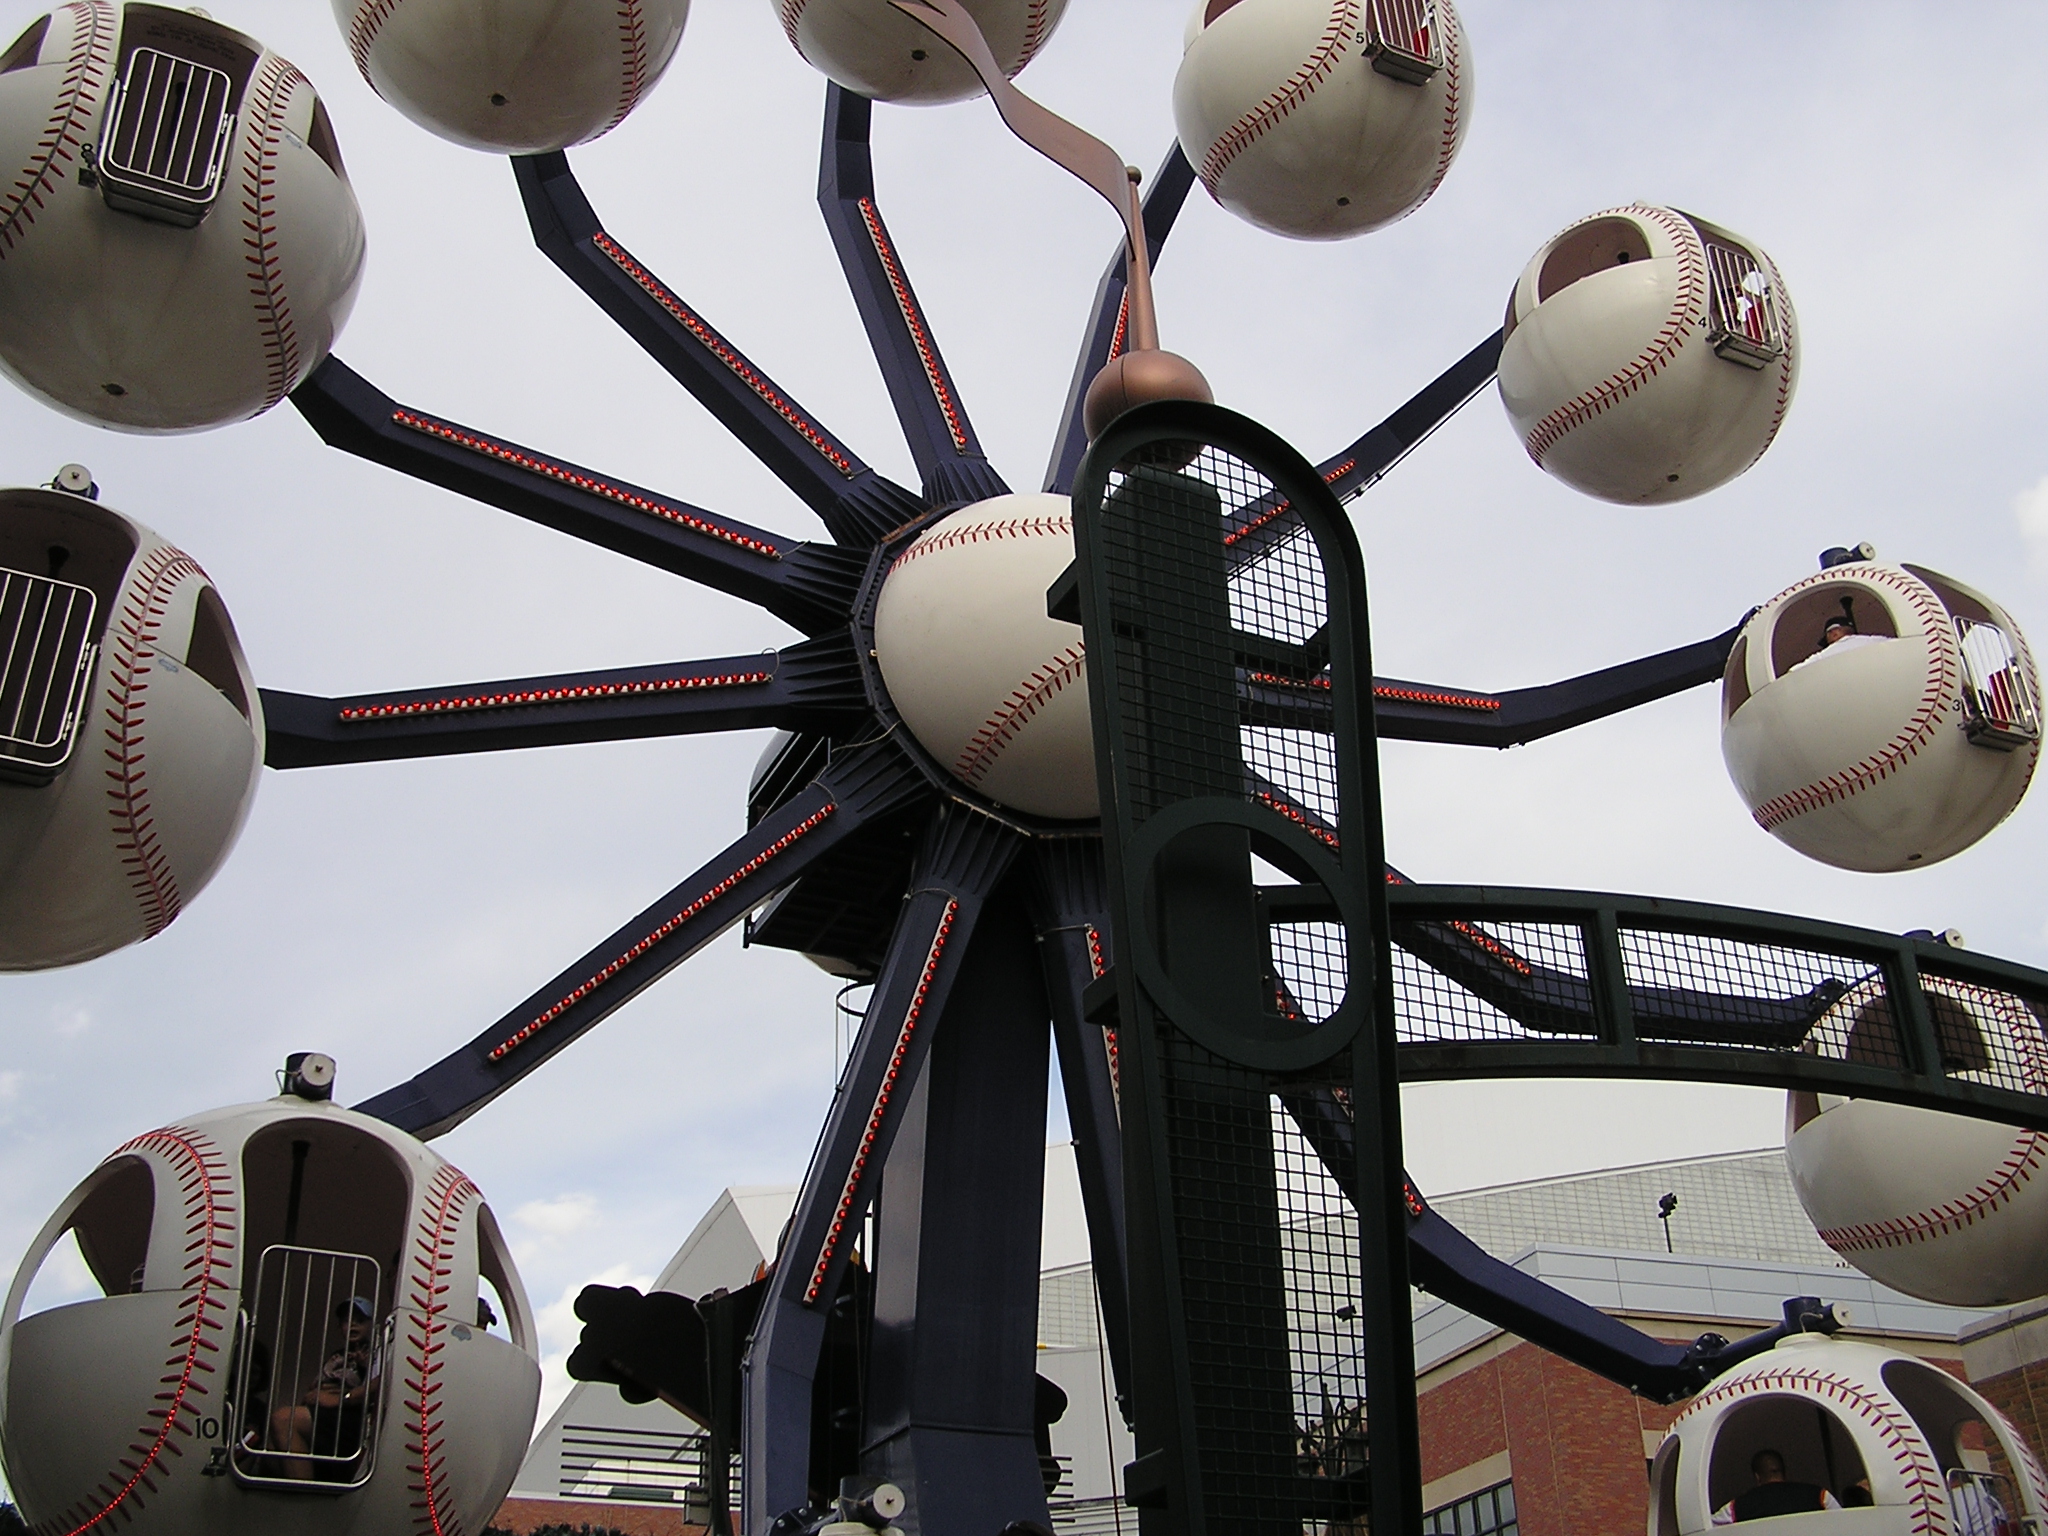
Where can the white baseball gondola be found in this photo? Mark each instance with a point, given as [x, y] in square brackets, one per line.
[1898, 1446]
[1322, 121]
[298, 1335]
[131, 733]
[1943, 1207]
[1648, 356]
[1900, 743]
[870, 47]
[179, 243]
[513, 77]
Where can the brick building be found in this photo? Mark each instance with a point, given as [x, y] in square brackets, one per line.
[1499, 1414]
[1515, 1441]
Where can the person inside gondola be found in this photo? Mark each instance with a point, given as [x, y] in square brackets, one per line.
[328, 1421]
[1773, 1494]
[1840, 634]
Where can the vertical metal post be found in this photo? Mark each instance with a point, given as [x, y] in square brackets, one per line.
[952, 1372]
[1607, 969]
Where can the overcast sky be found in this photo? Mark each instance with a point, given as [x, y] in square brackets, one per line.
[385, 913]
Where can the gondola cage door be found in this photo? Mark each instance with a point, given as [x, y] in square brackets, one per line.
[1222, 595]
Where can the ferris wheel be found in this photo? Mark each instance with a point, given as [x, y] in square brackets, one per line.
[926, 819]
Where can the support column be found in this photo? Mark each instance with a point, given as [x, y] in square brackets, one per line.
[953, 1365]
[964, 859]
[1071, 910]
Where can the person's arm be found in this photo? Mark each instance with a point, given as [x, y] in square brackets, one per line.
[1828, 1500]
[1725, 1515]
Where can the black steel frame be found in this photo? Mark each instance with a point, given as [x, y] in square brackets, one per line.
[828, 863]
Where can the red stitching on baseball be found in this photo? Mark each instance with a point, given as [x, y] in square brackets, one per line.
[133, 635]
[433, 1258]
[1688, 312]
[876, 1115]
[262, 140]
[63, 136]
[724, 887]
[1036, 30]
[792, 14]
[983, 533]
[1280, 105]
[362, 32]
[1923, 1226]
[1015, 712]
[410, 709]
[724, 351]
[204, 1176]
[1916, 1469]
[1447, 148]
[561, 475]
[633, 61]
[1937, 694]
[2025, 1156]
[927, 352]
[1785, 355]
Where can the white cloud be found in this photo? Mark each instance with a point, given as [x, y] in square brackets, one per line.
[2030, 510]
[546, 1223]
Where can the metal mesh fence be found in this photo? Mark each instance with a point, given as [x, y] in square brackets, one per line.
[1458, 981]
[1992, 1036]
[1700, 989]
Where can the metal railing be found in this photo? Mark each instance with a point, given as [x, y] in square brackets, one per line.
[1984, 1504]
[1745, 323]
[46, 661]
[1403, 39]
[164, 143]
[309, 1384]
[1999, 706]
[1492, 982]
[641, 1466]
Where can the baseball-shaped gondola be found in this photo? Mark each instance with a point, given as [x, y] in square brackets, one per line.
[1939, 1206]
[296, 1334]
[1322, 119]
[131, 734]
[1898, 1448]
[1880, 717]
[179, 244]
[514, 77]
[993, 689]
[871, 47]
[1648, 356]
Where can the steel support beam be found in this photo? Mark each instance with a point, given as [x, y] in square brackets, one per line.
[964, 859]
[857, 505]
[815, 686]
[942, 443]
[1070, 909]
[952, 1380]
[855, 792]
[810, 586]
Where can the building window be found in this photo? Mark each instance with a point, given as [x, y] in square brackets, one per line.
[1491, 1513]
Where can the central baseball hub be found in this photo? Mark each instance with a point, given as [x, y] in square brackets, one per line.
[989, 685]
